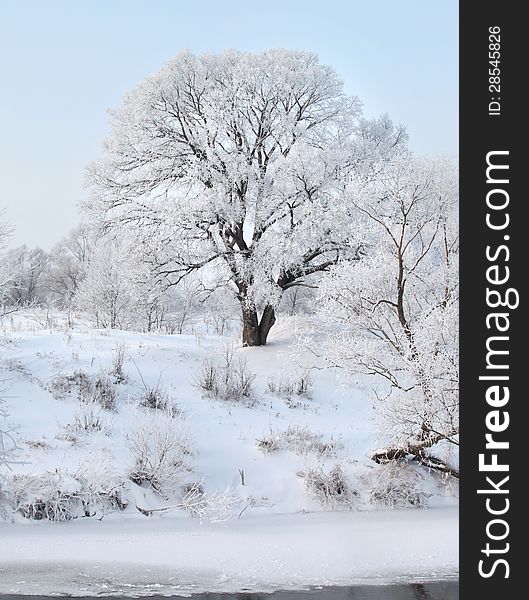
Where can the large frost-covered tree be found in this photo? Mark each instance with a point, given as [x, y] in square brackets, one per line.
[235, 163]
[400, 304]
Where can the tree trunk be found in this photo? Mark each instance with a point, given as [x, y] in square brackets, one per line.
[267, 322]
[417, 451]
[250, 327]
[255, 332]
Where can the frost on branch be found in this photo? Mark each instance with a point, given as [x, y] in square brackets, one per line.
[399, 305]
[215, 508]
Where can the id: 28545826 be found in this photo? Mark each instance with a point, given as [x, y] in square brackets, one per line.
[494, 70]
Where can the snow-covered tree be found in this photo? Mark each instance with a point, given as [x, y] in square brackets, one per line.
[67, 266]
[118, 289]
[5, 271]
[108, 292]
[10, 269]
[26, 266]
[400, 304]
[235, 163]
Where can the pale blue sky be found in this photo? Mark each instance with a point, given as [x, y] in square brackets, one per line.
[64, 62]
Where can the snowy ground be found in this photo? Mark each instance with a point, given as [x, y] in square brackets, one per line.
[279, 535]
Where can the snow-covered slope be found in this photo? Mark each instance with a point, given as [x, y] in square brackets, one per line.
[263, 460]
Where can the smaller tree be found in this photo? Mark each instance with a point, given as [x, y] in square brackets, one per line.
[8, 268]
[5, 277]
[400, 305]
[108, 291]
[26, 266]
[67, 266]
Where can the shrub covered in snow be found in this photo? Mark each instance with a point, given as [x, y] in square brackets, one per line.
[227, 379]
[100, 388]
[155, 397]
[52, 496]
[160, 449]
[299, 439]
[77, 384]
[118, 359]
[89, 418]
[61, 495]
[104, 391]
[102, 491]
[287, 386]
[395, 485]
[332, 490]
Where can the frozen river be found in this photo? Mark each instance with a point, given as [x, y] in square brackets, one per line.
[436, 590]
